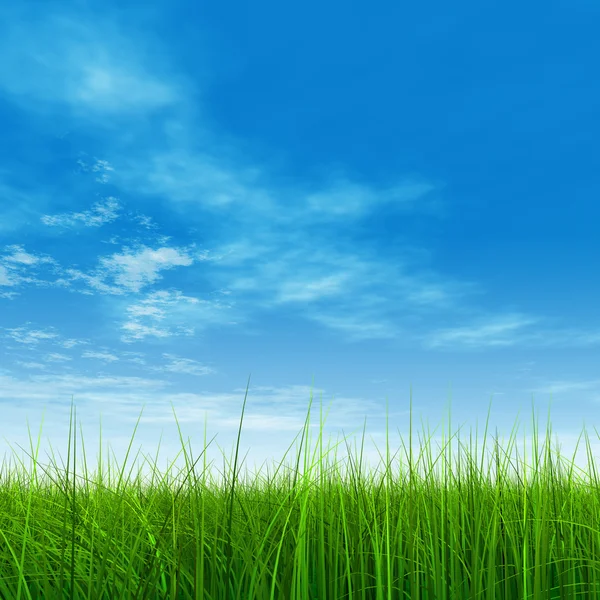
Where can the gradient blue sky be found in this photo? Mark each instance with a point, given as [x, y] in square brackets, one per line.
[376, 196]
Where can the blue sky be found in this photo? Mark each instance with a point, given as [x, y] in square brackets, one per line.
[376, 197]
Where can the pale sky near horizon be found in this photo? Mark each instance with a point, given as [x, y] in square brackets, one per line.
[377, 196]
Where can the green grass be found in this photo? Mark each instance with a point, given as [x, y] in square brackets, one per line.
[315, 535]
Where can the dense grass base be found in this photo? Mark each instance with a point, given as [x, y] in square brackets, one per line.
[314, 536]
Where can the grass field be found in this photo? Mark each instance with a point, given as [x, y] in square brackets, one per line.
[315, 535]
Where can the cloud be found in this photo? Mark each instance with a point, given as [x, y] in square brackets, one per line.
[15, 261]
[22, 336]
[100, 213]
[136, 269]
[86, 63]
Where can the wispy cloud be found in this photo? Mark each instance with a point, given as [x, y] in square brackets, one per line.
[99, 214]
[86, 62]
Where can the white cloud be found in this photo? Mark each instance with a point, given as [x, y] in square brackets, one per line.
[84, 62]
[100, 214]
[105, 356]
[134, 270]
[5, 277]
[31, 337]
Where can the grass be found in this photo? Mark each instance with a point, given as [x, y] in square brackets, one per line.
[304, 538]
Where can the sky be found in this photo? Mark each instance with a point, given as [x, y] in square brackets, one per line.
[360, 204]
